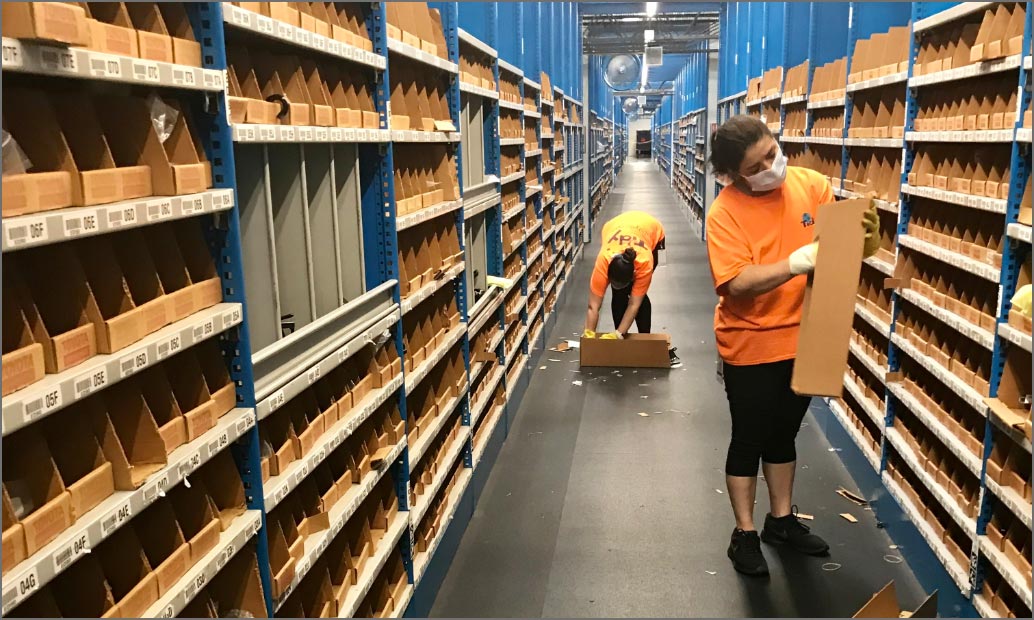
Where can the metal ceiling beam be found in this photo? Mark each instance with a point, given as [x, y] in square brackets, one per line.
[619, 48]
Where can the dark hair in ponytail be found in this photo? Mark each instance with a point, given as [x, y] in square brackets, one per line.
[622, 269]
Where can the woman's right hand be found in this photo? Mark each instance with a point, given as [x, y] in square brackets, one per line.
[802, 260]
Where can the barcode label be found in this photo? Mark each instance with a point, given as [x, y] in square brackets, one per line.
[265, 24]
[21, 590]
[159, 210]
[243, 425]
[91, 381]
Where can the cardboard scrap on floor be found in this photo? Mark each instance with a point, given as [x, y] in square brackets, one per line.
[806, 517]
[560, 348]
[850, 518]
[852, 497]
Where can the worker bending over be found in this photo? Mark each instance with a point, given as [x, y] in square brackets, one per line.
[759, 242]
[626, 263]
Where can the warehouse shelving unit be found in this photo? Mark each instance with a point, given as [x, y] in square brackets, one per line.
[945, 429]
[328, 268]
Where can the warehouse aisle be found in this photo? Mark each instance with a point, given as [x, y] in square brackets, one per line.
[594, 509]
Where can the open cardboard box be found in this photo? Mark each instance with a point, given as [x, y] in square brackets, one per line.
[634, 351]
[128, 572]
[247, 94]
[128, 433]
[59, 22]
[85, 472]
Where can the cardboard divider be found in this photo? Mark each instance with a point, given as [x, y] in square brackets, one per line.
[205, 280]
[209, 357]
[127, 570]
[281, 564]
[192, 395]
[224, 487]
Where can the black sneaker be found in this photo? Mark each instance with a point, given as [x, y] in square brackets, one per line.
[745, 553]
[674, 359]
[789, 530]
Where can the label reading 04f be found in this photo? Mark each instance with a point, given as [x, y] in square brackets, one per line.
[64, 558]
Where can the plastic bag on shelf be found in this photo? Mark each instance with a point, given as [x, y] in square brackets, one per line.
[163, 116]
[1021, 301]
[15, 161]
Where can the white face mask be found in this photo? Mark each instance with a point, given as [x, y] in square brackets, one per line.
[768, 180]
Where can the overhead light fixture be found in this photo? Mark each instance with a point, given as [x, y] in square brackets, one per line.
[648, 36]
[651, 8]
[645, 77]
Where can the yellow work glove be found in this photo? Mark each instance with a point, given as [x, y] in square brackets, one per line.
[611, 336]
[588, 334]
[802, 260]
[1021, 300]
[871, 223]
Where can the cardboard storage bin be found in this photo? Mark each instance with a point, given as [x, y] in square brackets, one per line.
[281, 563]
[152, 36]
[82, 591]
[65, 309]
[100, 178]
[130, 436]
[154, 385]
[281, 80]
[247, 99]
[127, 570]
[210, 359]
[14, 547]
[22, 355]
[163, 543]
[224, 486]
[59, 22]
[205, 280]
[51, 182]
[176, 165]
[33, 485]
[85, 472]
[185, 48]
[120, 322]
[197, 519]
[180, 292]
[111, 30]
[191, 392]
[237, 589]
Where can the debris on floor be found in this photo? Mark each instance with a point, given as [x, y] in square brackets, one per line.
[893, 559]
[578, 383]
[830, 566]
[806, 517]
[850, 518]
[852, 497]
[560, 348]
[643, 414]
[711, 572]
[542, 367]
[835, 450]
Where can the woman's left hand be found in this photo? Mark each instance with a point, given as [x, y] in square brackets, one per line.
[871, 224]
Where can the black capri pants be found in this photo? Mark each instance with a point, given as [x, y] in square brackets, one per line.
[766, 416]
[619, 302]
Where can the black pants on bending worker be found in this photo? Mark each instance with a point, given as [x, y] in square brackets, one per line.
[619, 302]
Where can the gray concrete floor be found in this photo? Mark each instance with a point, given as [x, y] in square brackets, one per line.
[595, 511]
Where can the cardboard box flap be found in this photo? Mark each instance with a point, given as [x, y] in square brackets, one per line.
[634, 351]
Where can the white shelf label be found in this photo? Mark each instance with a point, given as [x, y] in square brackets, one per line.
[116, 518]
[146, 71]
[12, 55]
[58, 59]
[90, 382]
[64, 558]
[133, 363]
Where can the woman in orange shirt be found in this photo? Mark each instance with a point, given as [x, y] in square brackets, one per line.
[626, 263]
[759, 240]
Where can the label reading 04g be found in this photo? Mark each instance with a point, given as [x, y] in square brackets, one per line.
[20, 590]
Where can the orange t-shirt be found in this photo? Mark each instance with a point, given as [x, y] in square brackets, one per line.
[632, 229]
[746, 230]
